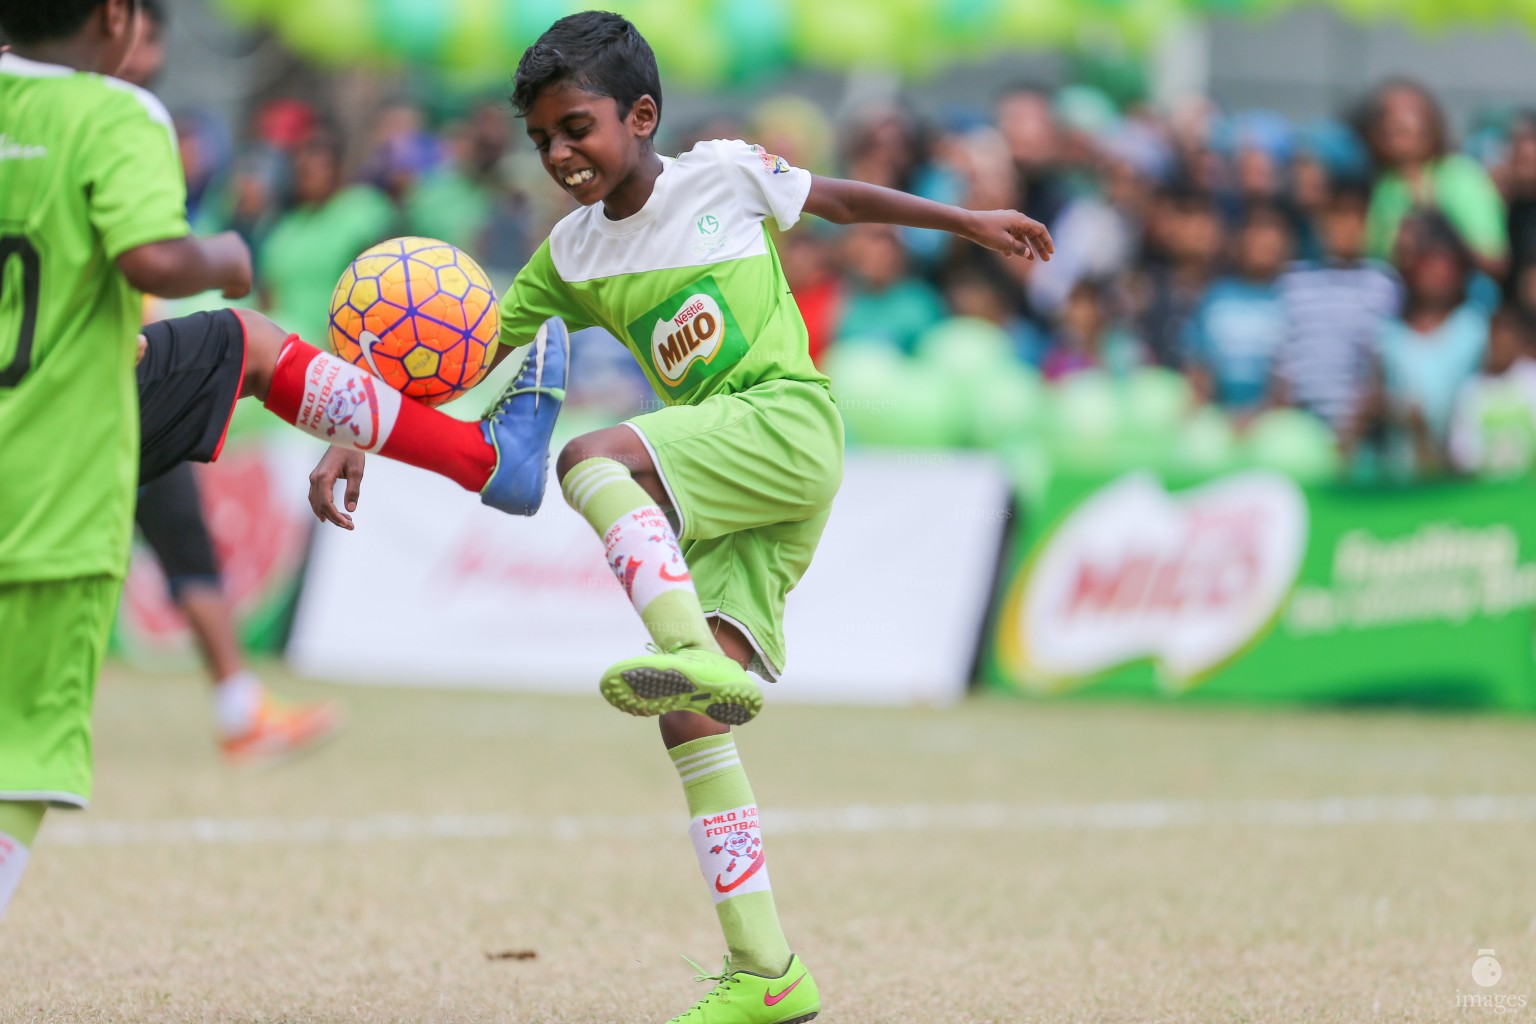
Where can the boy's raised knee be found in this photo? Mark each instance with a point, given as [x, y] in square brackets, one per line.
[575, 452]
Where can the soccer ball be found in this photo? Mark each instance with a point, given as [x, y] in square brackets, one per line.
[419, 314]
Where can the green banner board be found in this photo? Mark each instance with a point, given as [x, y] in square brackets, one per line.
[1249, 586]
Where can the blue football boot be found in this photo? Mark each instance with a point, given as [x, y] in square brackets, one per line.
[519, 423]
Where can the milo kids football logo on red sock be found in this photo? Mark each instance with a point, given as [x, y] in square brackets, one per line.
[689, 336]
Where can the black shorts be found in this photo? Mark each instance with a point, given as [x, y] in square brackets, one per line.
[170, 514]
[189, 381]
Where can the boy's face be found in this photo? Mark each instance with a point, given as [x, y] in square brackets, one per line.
[1344, 228]
[586, 146]
[118, 23]
[147, 59]
[1263, 247]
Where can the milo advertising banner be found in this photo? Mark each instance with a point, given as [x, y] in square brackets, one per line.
[254, 503]
[1249, 586]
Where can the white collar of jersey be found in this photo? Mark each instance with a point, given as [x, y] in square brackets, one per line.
[11, 64]
[641, 217]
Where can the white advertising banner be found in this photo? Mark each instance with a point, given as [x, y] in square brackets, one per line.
[434, 589]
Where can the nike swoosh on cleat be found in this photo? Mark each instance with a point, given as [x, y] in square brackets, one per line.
[769, 999]
[366, 341]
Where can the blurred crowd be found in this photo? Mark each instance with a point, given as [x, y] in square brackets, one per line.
[1369, 269]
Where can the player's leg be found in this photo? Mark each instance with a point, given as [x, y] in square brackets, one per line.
[19, 821]
[251, 723]
[342, 404]
[47, 685]
[609, 477]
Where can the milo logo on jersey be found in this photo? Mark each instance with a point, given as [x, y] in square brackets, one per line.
[690, 336]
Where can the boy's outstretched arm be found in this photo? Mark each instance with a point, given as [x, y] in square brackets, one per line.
[855, 202]
[179, 267]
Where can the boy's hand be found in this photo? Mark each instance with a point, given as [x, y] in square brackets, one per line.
[233, 258]
[1011, 233]
[143, 347]
[337, 464]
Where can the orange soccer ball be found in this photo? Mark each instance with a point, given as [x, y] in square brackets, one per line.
[418, 313]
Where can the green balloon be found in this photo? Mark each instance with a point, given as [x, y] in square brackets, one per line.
[1085, 421]
[334, 32]
[245, 10]
[1295, 443]
[758, 34]
[865, 375]
[415, 31]
[1156, 401]
[964, 346]
[1007, 404]
[1206, 444]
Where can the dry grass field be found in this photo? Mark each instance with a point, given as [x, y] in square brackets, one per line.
[999, 862]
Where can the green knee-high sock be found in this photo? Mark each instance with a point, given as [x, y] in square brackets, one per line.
[19, 821]
[729, 843]
[642, 551]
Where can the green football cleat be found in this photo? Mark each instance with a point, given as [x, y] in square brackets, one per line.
[740, 997]
[684, 679]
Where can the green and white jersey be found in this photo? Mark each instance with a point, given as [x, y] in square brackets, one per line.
[691, 284]
[88, 170]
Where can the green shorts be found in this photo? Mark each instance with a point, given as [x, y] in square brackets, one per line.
[52, 637]
[751, 477]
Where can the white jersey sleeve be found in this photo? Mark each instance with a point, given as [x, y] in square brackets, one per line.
[768, 185]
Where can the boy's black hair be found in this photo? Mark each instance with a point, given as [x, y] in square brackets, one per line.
[599, 52]
[1433, 230]
[154, 10]
[29, 22]
[1255, 210]
[1350, 190]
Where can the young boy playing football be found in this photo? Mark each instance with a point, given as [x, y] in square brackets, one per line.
[709, 509]
[92, 216]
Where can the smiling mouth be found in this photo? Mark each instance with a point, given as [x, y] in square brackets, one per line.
[579, 178]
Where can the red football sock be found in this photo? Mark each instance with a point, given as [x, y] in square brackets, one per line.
[346, 405]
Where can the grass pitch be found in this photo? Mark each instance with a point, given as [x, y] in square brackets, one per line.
[999, 862]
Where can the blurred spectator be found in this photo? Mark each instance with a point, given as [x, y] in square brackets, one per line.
[810, 266]
[1028, 126]
[466, 201]
[1088, 336]
[1493, 427]
[402, 150]
[310, 245]
[1407, 134]
[1435, 347]
[1099, 232]
[976, 285]
[1520, 183]
[888, 145]
[796, 129]
[1335, 309]
[1189, 235]
[884, 299]
[1233, 336]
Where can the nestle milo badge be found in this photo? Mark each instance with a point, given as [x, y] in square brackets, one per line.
[689, 336]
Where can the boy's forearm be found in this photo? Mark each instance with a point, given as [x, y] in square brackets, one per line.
[856, 202]
[180, 267]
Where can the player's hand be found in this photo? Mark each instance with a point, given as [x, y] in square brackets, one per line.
[233, 258]
[143, 347]
[337, 464]
[1011, 233]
